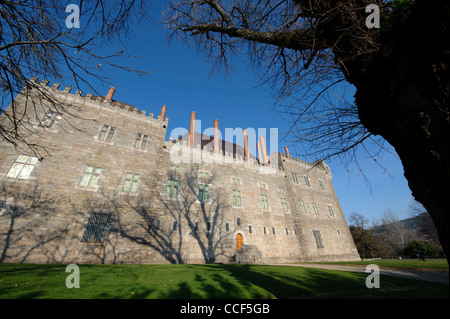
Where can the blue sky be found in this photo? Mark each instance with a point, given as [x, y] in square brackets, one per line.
[180, 79]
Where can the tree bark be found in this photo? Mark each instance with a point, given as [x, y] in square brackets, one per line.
[403, 96]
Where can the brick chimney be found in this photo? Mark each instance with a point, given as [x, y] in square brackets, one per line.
[216, 137]
[110, 94]
[163, 112]
[192, 130]
[244, 132]
[287, 151]
[260, 156]
[264, 150]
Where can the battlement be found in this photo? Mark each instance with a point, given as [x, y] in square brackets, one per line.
[319, 164]
[192, 143]
[99, 101]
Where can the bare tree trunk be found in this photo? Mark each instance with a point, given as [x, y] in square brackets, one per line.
[404, 97]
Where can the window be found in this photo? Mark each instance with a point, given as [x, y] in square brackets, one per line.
[96, 228]
[280, 189]
[237, 200]
[227, 227]
[172, 188]
[264, 202]
[22, 167]
[2, 204]
[131, 183]
[202, 174]
[203, 193]
[295, 231]
[273, 230]
[330, 210]
[294, 178]
[238, 221]
[284, 206]
[174, 168]
[175, 225]
[90, 176]
[265, 230]
[262, 185]
[306, 181]
[51, 118]
[318, 238]
[315, 210]
[208, 226]
[321, 184]
[301, 203]
[236, 180]
[106, 133]
[249, 229]
[141, 141]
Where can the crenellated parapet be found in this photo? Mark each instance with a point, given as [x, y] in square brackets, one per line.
[104, 103]
[319, 165]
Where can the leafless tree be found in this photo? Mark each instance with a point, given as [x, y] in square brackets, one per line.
[35, 41]
[358, 220]
[426, 228]
[306, 50]
[396, 232]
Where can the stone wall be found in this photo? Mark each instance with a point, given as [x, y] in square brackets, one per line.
[45, 216]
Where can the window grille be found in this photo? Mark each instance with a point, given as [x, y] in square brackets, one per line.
[97, 228]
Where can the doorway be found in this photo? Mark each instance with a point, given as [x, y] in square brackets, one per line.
[239, 241]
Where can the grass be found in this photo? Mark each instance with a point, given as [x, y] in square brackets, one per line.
[430, 264]
[203, 281]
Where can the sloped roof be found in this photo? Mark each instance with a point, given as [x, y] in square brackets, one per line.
[206, 142]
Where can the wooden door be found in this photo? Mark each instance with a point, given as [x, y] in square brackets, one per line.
[239, 241]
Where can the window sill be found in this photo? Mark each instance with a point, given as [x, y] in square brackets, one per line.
[103, 142]
[88, 189]
[128, 194]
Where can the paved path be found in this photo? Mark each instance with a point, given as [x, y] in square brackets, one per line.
[428, 275]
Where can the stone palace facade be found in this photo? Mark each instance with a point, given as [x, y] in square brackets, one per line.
[105, 186]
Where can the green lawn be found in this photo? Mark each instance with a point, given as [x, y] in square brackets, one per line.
[203, 281]
[430, 264]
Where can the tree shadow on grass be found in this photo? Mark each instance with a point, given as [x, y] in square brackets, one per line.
[267, 282]
[232, 282]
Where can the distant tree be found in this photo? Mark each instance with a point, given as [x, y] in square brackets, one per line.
[306, 50]
[365, 244]
[425, 226]
[415, 247]
[396, 233]
[358, 220]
